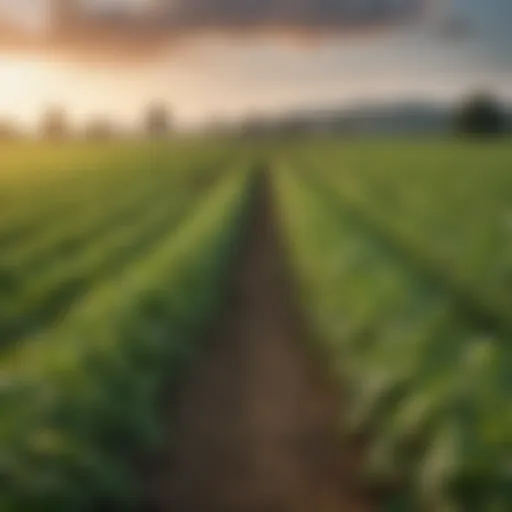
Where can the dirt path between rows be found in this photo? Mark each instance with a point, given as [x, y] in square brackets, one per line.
[254, 426]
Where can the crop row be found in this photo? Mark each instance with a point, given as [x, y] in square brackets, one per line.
[79, 402]
[427, 384]
[450, 203]
[34, 212]
[44, 277]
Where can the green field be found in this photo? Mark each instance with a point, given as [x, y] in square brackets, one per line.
[115, 260]
[405, 259]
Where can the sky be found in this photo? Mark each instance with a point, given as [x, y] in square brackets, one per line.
[460, 46]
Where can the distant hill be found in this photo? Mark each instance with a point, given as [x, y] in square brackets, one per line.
[407, 117]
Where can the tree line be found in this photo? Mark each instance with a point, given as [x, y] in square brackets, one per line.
[480, 114]
[157, 123]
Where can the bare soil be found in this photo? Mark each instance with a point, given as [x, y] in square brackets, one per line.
[255, 427]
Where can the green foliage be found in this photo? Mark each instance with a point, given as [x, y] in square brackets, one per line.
[78, 401]
[97, 225]
[114, 259]
[481, 114]
[390, 245]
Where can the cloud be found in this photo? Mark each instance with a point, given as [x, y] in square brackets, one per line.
[141, 23]
[260, 13]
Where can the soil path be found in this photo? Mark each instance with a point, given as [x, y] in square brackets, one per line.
[254, 427]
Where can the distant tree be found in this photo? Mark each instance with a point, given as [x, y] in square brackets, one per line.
[8, 131]
[217, 124]
[158, 122]
[481, 114]
[54, 124]
[255, 125]
[99, 129]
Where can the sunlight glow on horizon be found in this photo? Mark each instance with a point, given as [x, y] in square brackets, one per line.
[212, 77]
[29, 85]
[22, 81]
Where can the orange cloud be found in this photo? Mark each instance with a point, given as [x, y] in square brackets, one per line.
[118, 31]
